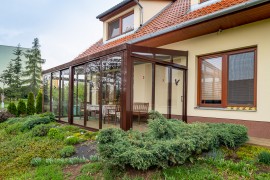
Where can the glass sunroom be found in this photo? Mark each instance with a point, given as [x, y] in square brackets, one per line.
[118, 87]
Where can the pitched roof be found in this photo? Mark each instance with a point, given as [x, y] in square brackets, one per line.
[178, 12]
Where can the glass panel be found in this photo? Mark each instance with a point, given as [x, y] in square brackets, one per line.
[241, 79]
[78, 107]
[211, 81]
[163, 57]
[111, 89]
[93, 86]
[142, 94]
[114, 29]
[161, 89]
[55, 93]
[181, 60]
[177, 93]
[128, 23]
[147, 55]
[46, 91]
[64, 95]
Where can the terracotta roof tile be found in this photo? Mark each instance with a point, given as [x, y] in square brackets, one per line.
[178, 12]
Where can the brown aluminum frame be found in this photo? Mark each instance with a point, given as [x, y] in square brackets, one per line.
[120, 19]
[126, 96]
[224, 89]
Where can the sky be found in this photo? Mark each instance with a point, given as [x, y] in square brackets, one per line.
[65, 28]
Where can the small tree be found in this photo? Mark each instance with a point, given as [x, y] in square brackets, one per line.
[21, 108]
[12, 109]
[39, 103]
[30, 104]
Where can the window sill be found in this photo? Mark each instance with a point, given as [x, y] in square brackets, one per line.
[224, 109]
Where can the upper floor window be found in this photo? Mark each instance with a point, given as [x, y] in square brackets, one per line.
[228, 79]
[121, 25]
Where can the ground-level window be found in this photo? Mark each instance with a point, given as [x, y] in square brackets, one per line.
[227, 79]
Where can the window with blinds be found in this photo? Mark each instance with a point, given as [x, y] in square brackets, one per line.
[241, 79]
[211, 81]
[228, 79]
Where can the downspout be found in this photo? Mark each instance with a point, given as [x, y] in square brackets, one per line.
[141, 12]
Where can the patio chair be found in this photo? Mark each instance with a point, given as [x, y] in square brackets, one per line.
[112, 112]
[140, 109]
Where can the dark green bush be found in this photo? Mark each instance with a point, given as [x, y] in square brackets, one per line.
[67, 151]
[12, 109]
[264, 157]
[41, 130]
[21, 108]
[5, 116]
[39, 103]
[72, 140]
[48, 114]
[55, 133]
[166, 143]
[31, 123]
[230, 135]
[31, 104]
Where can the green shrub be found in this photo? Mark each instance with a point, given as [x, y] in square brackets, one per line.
[30, 104]
[12, 109]
[62, 161]
[41, 130]
[72, 140]
[39, 103]
[264, 157]
[21, 108]
[14, 129]
[230, 135]
[50, 115]
[67, 151]
[5, 116]
[55, 133]
[31, 123]
[166, 143]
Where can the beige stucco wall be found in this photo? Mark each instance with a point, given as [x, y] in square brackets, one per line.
[255, 34]
[151, 8]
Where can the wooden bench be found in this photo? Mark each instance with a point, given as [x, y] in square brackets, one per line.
[140, 109]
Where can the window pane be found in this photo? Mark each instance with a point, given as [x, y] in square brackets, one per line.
[55, 93]
[128, 23]
[114, 29]
[78, 107]
[46, 91]
[241, 79]
[64, 90]
[211, 81]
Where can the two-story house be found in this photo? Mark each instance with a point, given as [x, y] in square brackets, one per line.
[193, 60]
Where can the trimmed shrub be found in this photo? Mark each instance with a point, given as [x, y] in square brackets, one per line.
[264, 157]
[31, 123]
[48, 114]
[21, 108]
[166, 143]
[55, 133]
[67, 151]
[72, 140]
[230, 135]
[41, 130]
[5, 116]
[30, 104]
[39, 103]
[12, 109]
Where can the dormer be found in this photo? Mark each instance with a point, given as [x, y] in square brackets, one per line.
[197, 4]
[126, 17]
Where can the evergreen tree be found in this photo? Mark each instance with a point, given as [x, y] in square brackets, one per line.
[39, 103]
[17, 72]
[33, 67]
[21, 108]
[30, 104]
[7, 77]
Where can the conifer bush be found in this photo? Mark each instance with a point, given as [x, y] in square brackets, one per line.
[31, 104]
[21, 108]
[39, 103]
[12, 109]
[167, 142]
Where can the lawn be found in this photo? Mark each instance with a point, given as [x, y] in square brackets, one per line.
[36, 147]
